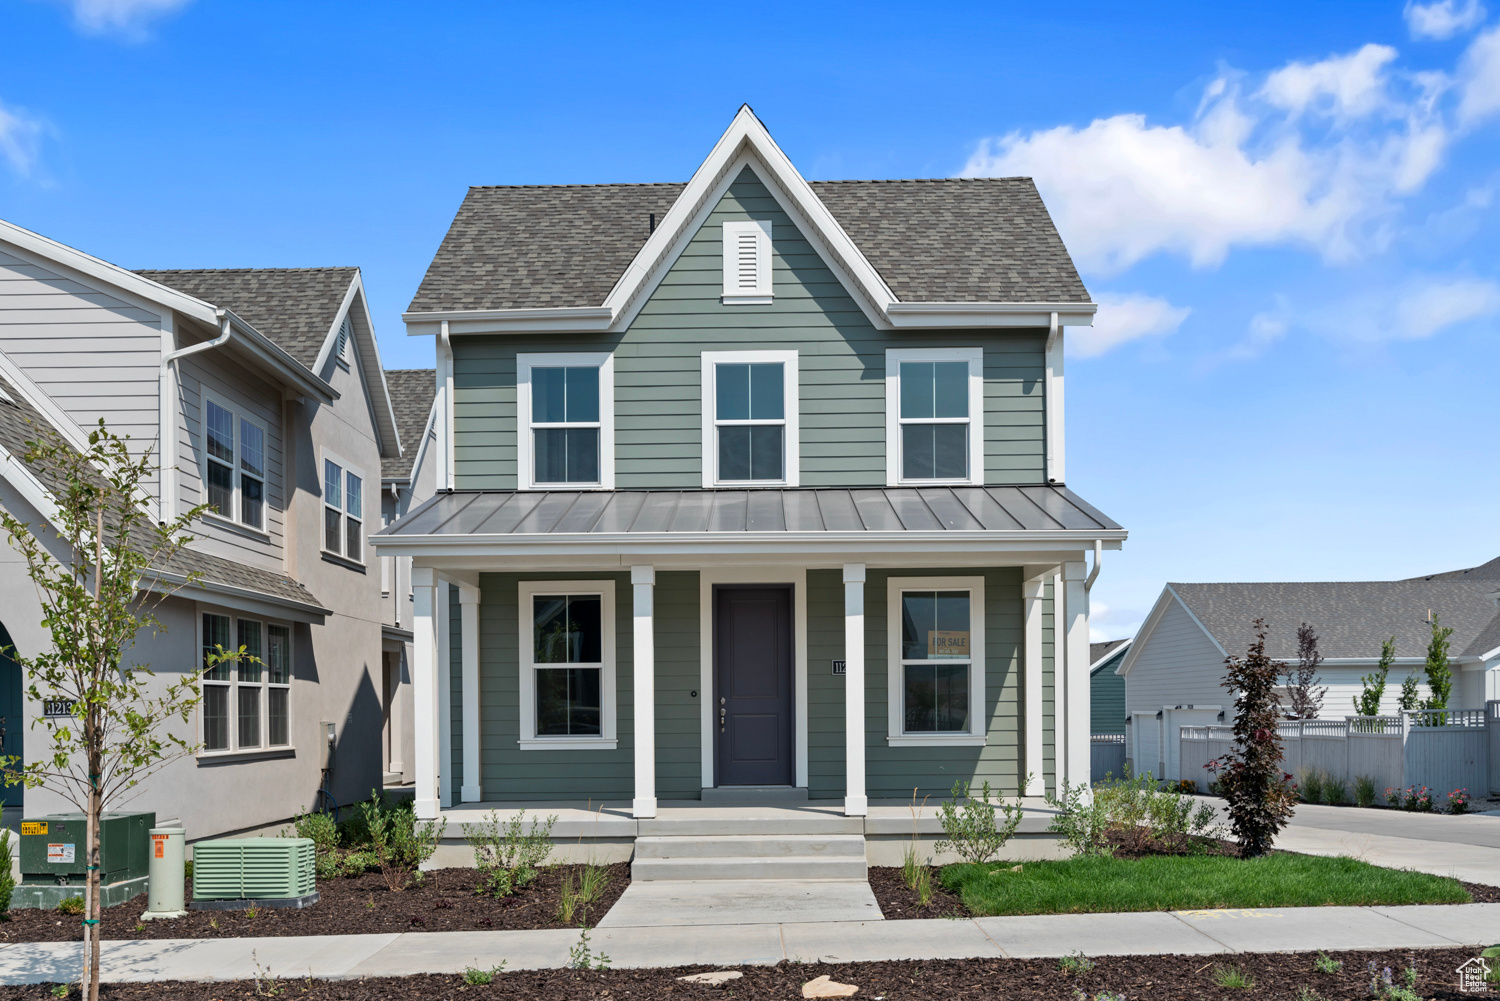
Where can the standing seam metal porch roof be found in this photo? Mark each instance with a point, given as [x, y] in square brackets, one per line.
[792, 509]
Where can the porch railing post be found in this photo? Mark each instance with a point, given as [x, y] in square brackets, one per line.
[1033, 769]
[643, 580]
[424, 690]
[856, 802]
[468, 599]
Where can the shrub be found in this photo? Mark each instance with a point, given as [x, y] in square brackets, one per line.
[357, 862]
[7, 880]
[1458, 801]
[1367, 703]
[1327, 964]
[1418, 799]
[1312, 785]
[1335, 791]
[1135, 811]
[1439, 674]
[1393, 797]
[70, 905]
[1364, 791]
[971, 827]
[507, 853]
[1081, 820]
[1233, 978]
[1259, 793]
[476, 977]
[399, 843]
[1075, 964]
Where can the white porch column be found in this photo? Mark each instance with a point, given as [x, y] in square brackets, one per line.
[1033, 767]
[424, 672]
[468, 598]
[443, 611]
[643, 580]
[1059, 688]
[1077, 606]
[856, 802]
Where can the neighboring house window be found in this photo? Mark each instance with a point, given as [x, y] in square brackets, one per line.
[567, 664]
[750, 418]
[565, 420]
[343, 510]
[935, 415]
[747, 263]
[246, 704]
[936, 684]
[236, 489]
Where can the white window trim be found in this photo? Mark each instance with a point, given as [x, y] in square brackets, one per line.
[791, 454]
[895, 690]
[602, 360]
[236, 498]
[529, 741]
[893, 359]
[364, 505]
[264, 748]
[735, 294]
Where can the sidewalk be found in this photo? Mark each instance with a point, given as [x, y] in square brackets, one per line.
[1291, 929]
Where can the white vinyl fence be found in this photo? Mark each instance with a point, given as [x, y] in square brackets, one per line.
[1443, 750]
[1106, 756]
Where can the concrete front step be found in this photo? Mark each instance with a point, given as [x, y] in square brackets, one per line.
[750, 795]
[841, 846]
[722, 868]
[764, 822]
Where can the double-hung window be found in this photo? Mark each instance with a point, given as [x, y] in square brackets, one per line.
[936, 635]
[935, 415]
[565, 420]
[246, 703]
[236, 487]
[567, 664]
[750, 418]
[343, 510]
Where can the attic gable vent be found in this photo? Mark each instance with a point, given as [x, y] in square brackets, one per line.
[747, 263]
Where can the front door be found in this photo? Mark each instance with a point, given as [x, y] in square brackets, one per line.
[753, 685]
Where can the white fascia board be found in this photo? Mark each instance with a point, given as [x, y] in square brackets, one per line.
[1168, 596]
[1123, 647]
[239, 598]
[20, 476]
[370, 364]
[272, 356]
[533, 320]
[907, 315]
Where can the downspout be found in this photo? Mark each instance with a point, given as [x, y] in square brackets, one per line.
[1088, 585]
[167, 393]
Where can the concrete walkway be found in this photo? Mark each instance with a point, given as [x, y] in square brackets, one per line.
[675, 902]
[1298, 929]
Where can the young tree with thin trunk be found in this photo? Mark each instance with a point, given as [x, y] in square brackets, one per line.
[1303, 691]
[1439, 674]
[1367, 702]
[93, 571]
[1260, 795]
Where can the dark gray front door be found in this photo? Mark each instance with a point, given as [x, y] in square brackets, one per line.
[753, 682]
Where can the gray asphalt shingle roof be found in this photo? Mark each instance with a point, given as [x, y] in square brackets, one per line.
[1351, 618]
[944, 240]
[20, 423]
[412, 391]
[1097, 650]
[877, 509]
[294, 307]
[1485, 571]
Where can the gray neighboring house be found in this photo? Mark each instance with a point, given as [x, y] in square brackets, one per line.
[1174, 668]
[265, 388]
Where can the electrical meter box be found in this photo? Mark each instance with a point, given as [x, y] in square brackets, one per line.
[54, 850]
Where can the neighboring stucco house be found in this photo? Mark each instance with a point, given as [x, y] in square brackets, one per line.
[749, 485]
[1174, 669]
[265, 390]
[1106, 688]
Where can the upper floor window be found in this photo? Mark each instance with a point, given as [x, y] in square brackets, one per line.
[750, 418]
[246, 703]
[343, 510]
[747, 262]
[565, 420]
[235, 460]
[935, 415]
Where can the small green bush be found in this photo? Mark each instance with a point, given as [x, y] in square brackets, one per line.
[70, 905]
[1233, 978]
[1364, 791]
[507, 853]
[476, 977]
[1335, 791]
[7, 881]
[1312, 785]
[971, 827]
[399, 843]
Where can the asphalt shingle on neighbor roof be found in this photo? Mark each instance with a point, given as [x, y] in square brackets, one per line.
[1097, 650]
[1485, 571]
[946, 240]
[294, 307]
[20, 423]
[1351, 618]
[412, 391]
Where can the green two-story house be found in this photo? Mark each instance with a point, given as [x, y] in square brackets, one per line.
[751, 484]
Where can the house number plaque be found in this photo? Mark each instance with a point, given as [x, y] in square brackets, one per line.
[838, 667]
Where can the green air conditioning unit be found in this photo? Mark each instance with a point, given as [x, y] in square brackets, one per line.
[54, 858]
[235, 873]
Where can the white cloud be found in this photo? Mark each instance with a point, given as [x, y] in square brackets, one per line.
[1265, 329]
[1479, 78]
[1423, 310]
[1442, 19]
[1246, 171]
[20, 139]
[128, 18]
[1124, 318]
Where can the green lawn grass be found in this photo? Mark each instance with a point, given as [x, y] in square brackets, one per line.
[1080, 885]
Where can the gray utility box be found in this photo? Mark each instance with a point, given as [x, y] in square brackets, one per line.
[54, 858]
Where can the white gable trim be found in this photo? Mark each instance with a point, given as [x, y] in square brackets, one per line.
[1122, 648]
[368, 352]
[1168, 597]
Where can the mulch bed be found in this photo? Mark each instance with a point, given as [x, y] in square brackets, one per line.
[445, 901]
[1135, 978]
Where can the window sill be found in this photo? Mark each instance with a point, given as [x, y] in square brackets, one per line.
[239, 528]
[539, 487]
[746, 300]
[936, 740]
[567, 744]
[248, 754]
[936, 483]
[343, 561]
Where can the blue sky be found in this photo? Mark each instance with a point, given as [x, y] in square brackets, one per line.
[1286, 210]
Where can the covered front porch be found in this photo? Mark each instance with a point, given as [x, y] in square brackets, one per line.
[654, 650]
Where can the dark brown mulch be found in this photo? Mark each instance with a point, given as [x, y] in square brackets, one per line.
[1136, 978]
[897, 901]
[445, 901]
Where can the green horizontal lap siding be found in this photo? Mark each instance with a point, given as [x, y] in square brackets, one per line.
[658, 371]
[893, 772]
[1107, 699]
[679, 761]
[510, 773]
